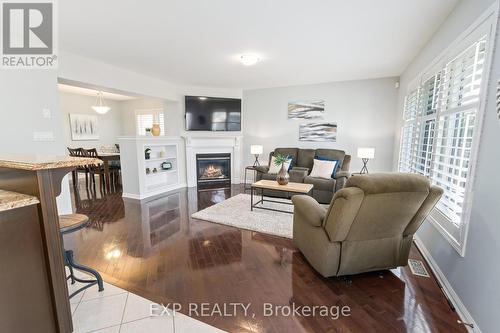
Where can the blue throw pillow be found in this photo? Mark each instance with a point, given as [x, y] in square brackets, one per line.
[324, 158]
[291, 162]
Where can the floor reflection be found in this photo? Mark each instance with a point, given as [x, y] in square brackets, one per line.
[159, 218]
[155, 249]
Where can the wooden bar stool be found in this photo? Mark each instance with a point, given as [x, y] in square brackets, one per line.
[68, 224]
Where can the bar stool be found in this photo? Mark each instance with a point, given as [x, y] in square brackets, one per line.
[67, 224]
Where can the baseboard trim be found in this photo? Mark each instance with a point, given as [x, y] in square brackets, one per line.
[153, 194]
[460, 308]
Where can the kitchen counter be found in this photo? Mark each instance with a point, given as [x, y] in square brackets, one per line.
[31, 248]
[44, 162]
[10, 200]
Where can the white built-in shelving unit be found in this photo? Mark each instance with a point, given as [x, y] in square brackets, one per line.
[144, 177]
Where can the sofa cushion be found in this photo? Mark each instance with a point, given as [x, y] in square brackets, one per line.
[292, 152]
[337, 164]
[324, 168]
[332, 154]
[305, 158]
[321, 184]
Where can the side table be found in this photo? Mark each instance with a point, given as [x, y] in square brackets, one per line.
[245, 184]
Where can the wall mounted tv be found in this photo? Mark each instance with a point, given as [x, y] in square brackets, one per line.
[212, 113]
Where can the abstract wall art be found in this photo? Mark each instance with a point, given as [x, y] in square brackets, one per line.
[306, 109]
[318, 132]
[84, 127]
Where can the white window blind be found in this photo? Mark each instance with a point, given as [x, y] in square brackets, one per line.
[439, 123]
[146, 119]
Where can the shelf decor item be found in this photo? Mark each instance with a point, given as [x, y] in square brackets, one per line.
[282, 176]
[256, 150]
[156, 130]
[365, 154]
[147, 153]
[166, 166]
[148, 131]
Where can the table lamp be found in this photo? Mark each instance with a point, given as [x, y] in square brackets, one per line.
[256, 150]
[365, 154]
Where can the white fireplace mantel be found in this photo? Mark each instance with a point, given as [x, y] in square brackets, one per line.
[212, 145]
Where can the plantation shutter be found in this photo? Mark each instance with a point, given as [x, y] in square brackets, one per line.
[439, 120]
[146, 118]
[409, 132]
[456, 125]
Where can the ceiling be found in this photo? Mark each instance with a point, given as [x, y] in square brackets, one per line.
[91, 92]
[198, 42]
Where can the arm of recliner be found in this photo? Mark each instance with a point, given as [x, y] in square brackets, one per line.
[341, 177]
[342, 174]
[262, 168]
[308, 210]
[432, 199]
[343, 210]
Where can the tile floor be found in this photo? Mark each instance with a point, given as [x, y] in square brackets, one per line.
[116, 310]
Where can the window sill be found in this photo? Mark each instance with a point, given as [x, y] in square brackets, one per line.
[460, 248]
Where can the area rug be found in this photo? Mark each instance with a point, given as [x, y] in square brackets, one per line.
[236, 212]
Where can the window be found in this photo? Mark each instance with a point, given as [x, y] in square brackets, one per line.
[440, 129]
[145, 119]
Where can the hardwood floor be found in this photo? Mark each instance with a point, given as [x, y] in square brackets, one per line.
[155, 249]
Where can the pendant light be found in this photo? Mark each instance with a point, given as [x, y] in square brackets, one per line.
[100, 107]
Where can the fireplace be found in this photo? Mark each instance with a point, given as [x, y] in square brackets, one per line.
[213, 170]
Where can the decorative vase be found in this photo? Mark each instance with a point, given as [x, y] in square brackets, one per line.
[282, 176]
[156, 130]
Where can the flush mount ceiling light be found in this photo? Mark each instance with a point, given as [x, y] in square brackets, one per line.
[100, 107]
[249, 59]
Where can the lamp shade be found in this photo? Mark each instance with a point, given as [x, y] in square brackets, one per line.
[256, 149]
[100, 107]
[366, 152]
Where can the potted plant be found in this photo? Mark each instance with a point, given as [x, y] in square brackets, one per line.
[147, 153]
[282, 176]
[148, 131]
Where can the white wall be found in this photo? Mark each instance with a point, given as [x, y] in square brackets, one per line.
[473, 278]
[128, 108]
[365, 113]
[109, 123]
[23, 96]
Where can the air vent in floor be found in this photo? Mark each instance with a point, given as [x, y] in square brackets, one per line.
[417, 267]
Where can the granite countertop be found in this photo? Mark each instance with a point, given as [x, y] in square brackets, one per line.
[10, 200]
[44, 162]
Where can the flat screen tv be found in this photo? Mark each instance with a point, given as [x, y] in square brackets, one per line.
[212, 114]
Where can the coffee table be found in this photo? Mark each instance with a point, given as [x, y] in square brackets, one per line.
[297, 188]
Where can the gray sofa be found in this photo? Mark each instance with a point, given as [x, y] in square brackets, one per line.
[302, 163]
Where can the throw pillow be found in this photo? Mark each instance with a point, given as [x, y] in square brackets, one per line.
[324, 158]
[323, 169]
[273, 168]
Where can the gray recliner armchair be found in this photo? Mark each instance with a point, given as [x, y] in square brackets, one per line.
[368, 226]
